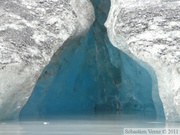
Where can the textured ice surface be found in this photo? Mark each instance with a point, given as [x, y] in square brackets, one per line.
[87, 73]
[31, 31]
[90, 74]
[149, 31]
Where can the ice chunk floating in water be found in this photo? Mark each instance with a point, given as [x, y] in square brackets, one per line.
[90, 75]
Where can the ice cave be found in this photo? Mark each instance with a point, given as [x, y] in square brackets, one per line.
[90, 75]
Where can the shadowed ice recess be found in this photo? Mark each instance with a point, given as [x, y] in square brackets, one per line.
[90, 75]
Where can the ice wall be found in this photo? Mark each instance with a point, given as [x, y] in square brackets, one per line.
[150, 33]
[90, 75]
[31, 31]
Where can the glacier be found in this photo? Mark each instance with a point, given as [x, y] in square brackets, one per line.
[62, 57]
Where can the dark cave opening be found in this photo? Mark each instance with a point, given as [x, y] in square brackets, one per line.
[90, 75]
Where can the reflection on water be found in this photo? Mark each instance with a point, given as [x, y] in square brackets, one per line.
[81, 125]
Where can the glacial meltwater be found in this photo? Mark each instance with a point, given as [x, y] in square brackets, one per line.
[84, 124]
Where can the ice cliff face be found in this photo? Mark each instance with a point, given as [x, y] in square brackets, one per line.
[149, 31]
[49, 47]
[30, 33]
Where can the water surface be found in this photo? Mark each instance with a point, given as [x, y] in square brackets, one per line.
[94, 124]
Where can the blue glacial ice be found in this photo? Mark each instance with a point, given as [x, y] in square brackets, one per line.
[90, 75]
